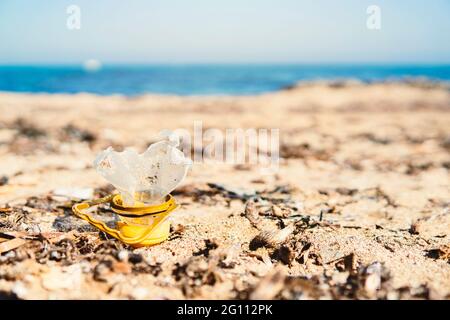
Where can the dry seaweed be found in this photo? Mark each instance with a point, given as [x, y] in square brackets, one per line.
[251, 212]
[3, 180]
[27, 129]
[442, 252]
[72, 132]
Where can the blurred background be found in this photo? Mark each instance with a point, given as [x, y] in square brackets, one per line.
[205, 47]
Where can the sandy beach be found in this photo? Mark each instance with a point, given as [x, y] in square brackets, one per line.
[359, 207]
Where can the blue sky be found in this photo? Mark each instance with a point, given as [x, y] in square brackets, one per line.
[226, 31]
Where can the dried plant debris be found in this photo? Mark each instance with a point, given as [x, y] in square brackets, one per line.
[443, 252]
[270, 286]
[71, 132]
[10, 244]
[213, 267]
[201, 193]
[346, 191]
[369, 282]
[285, 253]
[372, 281]
[374, 138]
[176, 231]
[104, 190]
[378, 193]
[304, 151]
[3, 180]
[210, 244]
[306, 253]
[233, 193]
[276, 204]
[196, 274]
[256, 202]
[27, 129]
[251, 212]
[283, 242]
[347, 263]
[279, 194]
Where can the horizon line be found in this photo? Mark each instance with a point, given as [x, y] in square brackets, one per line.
[219, 63]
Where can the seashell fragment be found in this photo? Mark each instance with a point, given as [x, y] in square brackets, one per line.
[271, 238]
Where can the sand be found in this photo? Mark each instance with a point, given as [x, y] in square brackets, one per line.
[362, 185]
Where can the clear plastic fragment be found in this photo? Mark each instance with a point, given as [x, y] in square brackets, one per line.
[146, 177]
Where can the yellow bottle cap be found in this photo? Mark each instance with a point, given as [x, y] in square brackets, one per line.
[133, 234]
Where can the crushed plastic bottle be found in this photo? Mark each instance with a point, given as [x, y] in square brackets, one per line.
[146, 177]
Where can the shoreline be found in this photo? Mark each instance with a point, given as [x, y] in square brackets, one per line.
[419, 82]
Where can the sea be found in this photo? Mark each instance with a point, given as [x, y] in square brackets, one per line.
[133, 80]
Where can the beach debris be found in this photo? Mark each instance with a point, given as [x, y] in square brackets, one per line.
[27, 129]
[233, 193]
[146, 177]
[272, 238]
[3, 180]
[196, 273]
[201, 193]
[303, 256]
[275, 204]
[74, 193]
[14, 220]
[210, 244]
[242, 167]
[368, 281]
[144, 183]
[5, 209]
[229, 255]
[176, 231]
[104, 190]
[443, 252]
[269, 287]
[256, 202]
[285, 253]
[346, 191]
[374, 138]
[261, 254]
[10, 244]
[417, 292]
[445, 142]
[252, 214]
[188, 190]
[306, 288]
[346, 263]
[26, 138]
[72, 132]
[380, 194]
[280, 212]
[305, 252]
[304, 151]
